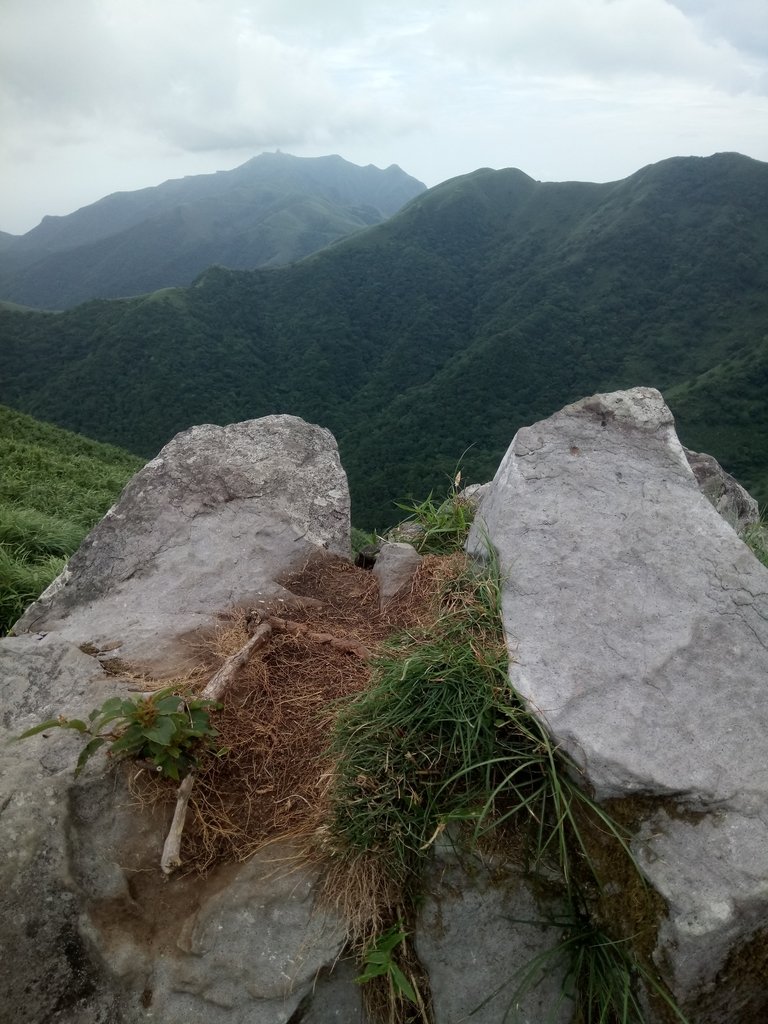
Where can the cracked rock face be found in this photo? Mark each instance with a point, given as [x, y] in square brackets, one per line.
[207, 524]
[637, 623]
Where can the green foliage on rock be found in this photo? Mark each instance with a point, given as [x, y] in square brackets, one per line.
[166, 729]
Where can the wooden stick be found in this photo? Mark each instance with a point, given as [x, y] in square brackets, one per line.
[221, 680]
[289, 626]
[171, 858]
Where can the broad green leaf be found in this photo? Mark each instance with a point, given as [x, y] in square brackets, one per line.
[163, 731]
[75, 723]
[402, 984]
[168, 705]
[88, 750]
[52, 723]
[377, 957]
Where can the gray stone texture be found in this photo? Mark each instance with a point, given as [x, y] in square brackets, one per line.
[735, 504]
[637, 624]
[480, 934]
[90, 930]
[209, 523]
[396, 565]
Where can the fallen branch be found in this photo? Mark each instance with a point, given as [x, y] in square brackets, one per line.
[221, 680]
[171, 857]
[348, 646]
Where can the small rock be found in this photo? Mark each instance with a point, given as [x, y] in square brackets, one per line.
[395, 568]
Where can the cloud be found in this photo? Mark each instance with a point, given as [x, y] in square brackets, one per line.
[194, 73]
[598, 40]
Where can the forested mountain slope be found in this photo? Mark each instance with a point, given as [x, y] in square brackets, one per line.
[272, 210]
[487, 303]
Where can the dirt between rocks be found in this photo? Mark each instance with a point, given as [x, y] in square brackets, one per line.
[272, 783]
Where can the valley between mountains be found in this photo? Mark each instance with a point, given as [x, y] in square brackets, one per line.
[484, 304]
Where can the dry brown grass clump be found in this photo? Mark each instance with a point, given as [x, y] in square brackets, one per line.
[272, 779]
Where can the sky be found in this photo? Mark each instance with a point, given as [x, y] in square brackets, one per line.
[100, 96]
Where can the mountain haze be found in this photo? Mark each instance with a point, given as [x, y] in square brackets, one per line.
[488, 302]
[272, 210]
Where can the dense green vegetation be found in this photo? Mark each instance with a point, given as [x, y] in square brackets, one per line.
[272, 210]
[54, 486]
[487, 303]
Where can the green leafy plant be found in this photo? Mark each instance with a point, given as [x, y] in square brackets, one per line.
[379, 961]
[167, 729]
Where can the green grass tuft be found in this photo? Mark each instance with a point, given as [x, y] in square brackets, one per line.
[443, 525]
[756, 538]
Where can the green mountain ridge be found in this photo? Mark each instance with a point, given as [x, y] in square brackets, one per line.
[487, 303]
[272, 210]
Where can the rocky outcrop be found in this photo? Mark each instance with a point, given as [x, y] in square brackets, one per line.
[735, 504]
[90, 933]
[210, 523]
[637, 624]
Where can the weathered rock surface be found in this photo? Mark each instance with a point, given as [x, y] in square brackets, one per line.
[90, 932]
[480, 931]
[395, 567]
[637, 622]
[209, 523]
[734, 503]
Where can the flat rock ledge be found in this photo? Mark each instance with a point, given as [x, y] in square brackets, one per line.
[637, 624]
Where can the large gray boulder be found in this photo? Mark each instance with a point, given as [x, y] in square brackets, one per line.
[637, 624]
[211, 522]
[90, 931]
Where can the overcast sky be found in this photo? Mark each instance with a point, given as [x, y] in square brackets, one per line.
[98, 96]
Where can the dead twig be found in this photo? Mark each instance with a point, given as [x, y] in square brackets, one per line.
[289, 626]
[171, 857]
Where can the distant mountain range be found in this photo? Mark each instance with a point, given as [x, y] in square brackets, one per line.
[272, 210]
[488, 302]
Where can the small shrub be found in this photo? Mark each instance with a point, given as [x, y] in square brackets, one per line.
[379, 961]
[166, 729]
[756, 538]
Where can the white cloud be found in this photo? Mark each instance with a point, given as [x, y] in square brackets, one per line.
[600, 40]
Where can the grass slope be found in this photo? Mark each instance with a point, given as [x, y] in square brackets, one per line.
[487, 303]
[54, 486]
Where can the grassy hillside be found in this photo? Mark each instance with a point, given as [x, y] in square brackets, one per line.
[272, 210]
[54, 486]
[487, 303]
